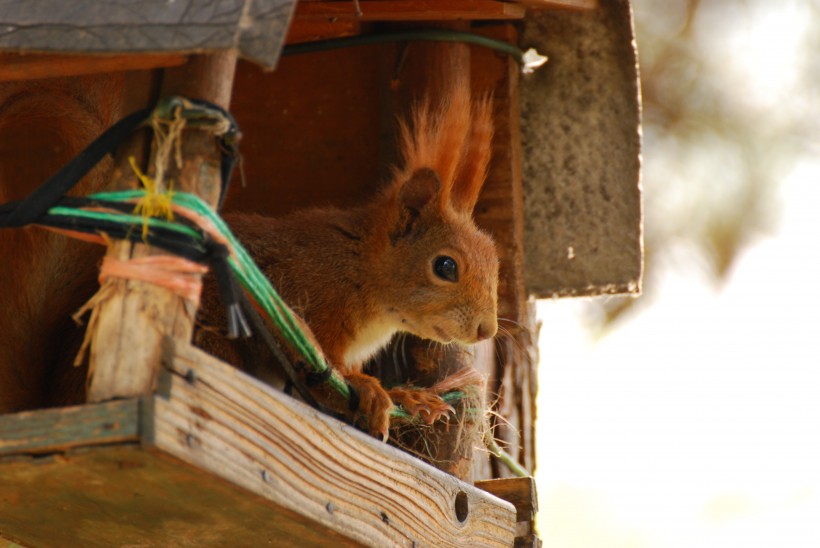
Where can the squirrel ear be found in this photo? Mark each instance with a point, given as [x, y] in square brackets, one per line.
[419, 190]
[415, 194]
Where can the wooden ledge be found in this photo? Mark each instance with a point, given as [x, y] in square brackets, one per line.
[33, 66]
[410, 10]
[217, 458]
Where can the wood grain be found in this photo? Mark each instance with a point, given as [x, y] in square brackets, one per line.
[239, 429]
[125, 495]
[216, 458]
[519, 491]
[60, 429]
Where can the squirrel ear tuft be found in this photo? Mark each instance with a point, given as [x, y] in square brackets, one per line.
[475, 160]
[420, 189]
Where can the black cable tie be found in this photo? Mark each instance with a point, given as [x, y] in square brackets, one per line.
[36, 204]
[237, 323]
[166, 239]
[354, 402]
[228, 144]
[315, 378]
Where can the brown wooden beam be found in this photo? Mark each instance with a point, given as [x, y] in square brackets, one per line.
[125, 351]
[216, 458]
[522, 494]
[410, 10]
[559, 4]
[25, 66]
[500, 211]
[313, 29]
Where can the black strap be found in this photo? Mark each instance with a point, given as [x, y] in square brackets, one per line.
[229, 291]
[47, 195]
[315, 378]
[30, 209]
[355, 400]
[261, 329]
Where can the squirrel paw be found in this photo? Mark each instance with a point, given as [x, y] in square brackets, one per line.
[374, 403]
[418, 400]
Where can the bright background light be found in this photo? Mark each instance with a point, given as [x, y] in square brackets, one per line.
[696, 422]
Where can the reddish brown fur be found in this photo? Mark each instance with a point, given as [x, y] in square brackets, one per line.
[454, 141]
[358, 276]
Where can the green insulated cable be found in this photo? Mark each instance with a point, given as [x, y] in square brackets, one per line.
[529, 60]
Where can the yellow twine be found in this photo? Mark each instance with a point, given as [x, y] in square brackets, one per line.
[157, 201]
[154, 203]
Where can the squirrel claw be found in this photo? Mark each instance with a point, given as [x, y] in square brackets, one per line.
[421, 400]
[440, 412]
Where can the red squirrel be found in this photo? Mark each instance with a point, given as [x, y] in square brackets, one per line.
[410, 260]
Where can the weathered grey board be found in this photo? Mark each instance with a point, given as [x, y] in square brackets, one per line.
[50, 430]
[216, 458]
[581, 154]
[256, 28]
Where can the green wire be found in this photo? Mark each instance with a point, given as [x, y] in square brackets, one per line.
[263, 292]
[437, 35]
[123, 218]
[246, 271]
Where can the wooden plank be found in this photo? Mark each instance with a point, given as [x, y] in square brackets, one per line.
[235, 427]
[222, 459]
[582, 113]
[132, 321]
[319, 28]
[309, 132]
[521, 493]
[500, 210]
[518, 491]
[559, 4]
[255, 27]
[18, 66]
[124, 495]
[60, 429]
[410, 10]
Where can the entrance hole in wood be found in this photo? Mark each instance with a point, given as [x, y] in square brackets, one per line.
[462, 506]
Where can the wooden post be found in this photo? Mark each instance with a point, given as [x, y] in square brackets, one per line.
[500, 211]
[125, 352]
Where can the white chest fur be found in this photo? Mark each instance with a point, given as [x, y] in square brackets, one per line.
[369, 340]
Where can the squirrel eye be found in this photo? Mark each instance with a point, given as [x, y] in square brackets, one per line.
[446, 268]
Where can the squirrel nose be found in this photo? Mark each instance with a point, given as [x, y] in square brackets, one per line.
[486, 329]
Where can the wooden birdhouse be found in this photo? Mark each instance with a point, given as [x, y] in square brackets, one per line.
[120, 430]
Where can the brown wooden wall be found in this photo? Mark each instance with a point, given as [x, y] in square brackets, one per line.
[318, 130]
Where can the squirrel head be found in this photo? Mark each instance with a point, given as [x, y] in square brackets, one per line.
[440, 272]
